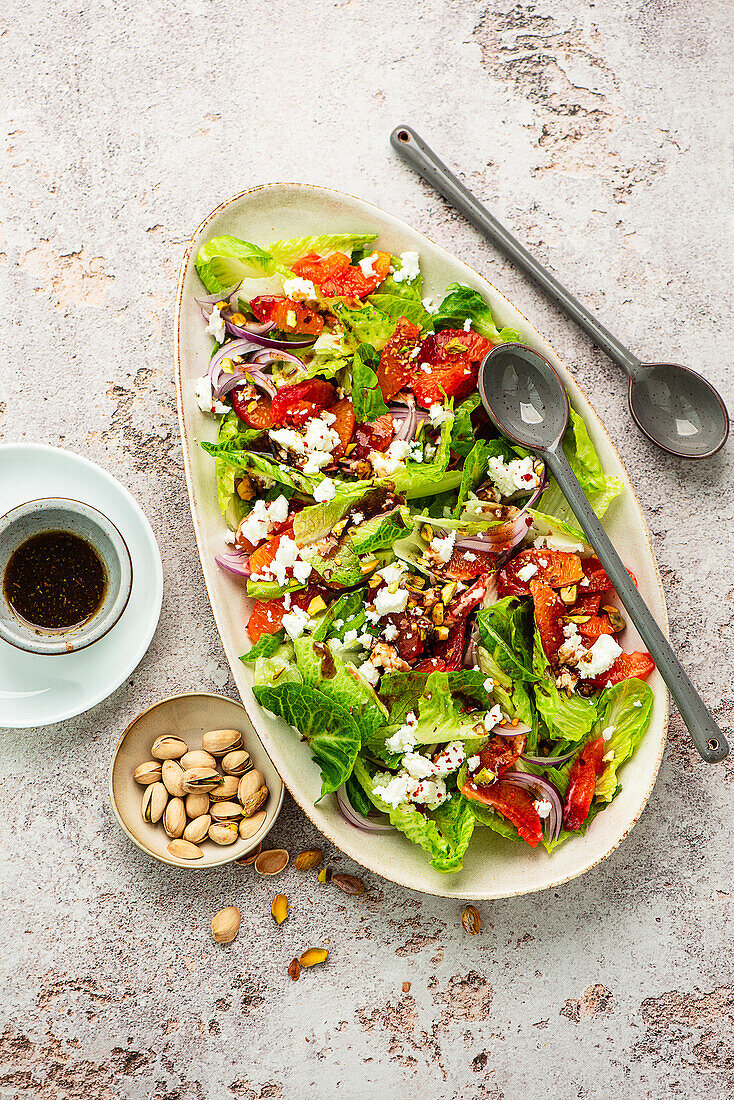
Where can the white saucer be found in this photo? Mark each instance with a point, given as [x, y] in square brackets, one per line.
[39, 690]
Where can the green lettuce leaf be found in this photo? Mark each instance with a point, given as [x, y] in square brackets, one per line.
[600, 488]
[418, 479]
[224, 261]
[462, 433]
[380, 532]
[366, 393]
[439, 716]
[312, 523]
[344, 615]
[401, 300]
[624, 712]
[342, 569]
[254, 462]
[506, 632]
[570, 717]
[461, 304]
[401, 691]
[278, 669]
[233, 435]
[265, 646]
[332, 733]
[476, 464]
[365, 325]
[287, 252]
[322, 667]
[271, 590]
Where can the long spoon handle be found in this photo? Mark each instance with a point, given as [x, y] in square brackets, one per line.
[425, 162]
[707, 737]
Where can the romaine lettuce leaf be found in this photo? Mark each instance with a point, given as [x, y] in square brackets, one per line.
[380, 532]
[401, 300]
[461, 303]
[344, 615]
[418, 479]
[402, 691]
[365, 325]
[476, 464]
[253, 461]
[366, 393]
[312, 523]
[224, 261]
[506, 632]
[287, 252]
[280, 668]
[462, 433]
[624, 712]
[271, 590]
[600, 488]
[570, 717]
[331, 731]
[321, 667]
[265, 646]
[342, 569]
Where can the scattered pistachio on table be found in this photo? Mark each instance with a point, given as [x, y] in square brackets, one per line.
[313, 956]
[272, 861]
[226, 924]
[470, 920]
[348, 884]
[279, 908]
[294, 969]
[309, 858]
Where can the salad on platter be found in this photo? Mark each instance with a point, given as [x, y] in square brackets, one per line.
[426, 614]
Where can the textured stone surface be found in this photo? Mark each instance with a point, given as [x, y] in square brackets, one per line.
[602, 134]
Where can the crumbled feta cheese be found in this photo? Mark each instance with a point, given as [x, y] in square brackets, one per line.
[366, 640]
[426, 368]
[391, 603]
[409, 268]
[416, 450]
[560, 542]
[403, 740]
[429, 305]
[302, 571]
[371, 675]
[385, 464]
[368, 265]
[512, 476]
[467, 324]
[371, 615]
[299, 289]
[544, 807]
[417, 766]
[205, 398]
[259, 523]
[473, 763]
[285, 557]
[438, 414]
[488, 684]
[289, 439]
[442, 548]
[573, 649]
[493, 717]
[414, 353]
[357, 518]
[637, 703]
[287, 601]
[278, 510]
[527, 571]
[216, 326]
[600, 657]
[295, 622]
[316, 440]
[350, 636]
[469, 556]
[429, 793]
[390, 632]
[608, 731]
[392, 573]
[325, 490]
[395, 788]
[449, 759]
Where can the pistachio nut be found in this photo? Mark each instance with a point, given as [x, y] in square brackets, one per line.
[174, 818]
[155, 799]
[220, 742]
[226, 924]
[225, 811]
[197, 829]
[237, 762]
[615, 619]
[172, 775]
[168, 748]
[250, 783]
[197, 804]
[249, 826]
[470, 920]
[313, 956]
[254, 802]
[272, 861]
[349, 884]
[200, 779]
[279, 908]
[223, 832]
[197, 758]
[227, 789]
[324, 876]
[308, 859]
[182, 849]
[149, 772]
[294, 969]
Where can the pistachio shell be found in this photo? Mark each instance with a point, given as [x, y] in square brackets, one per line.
[226, 924]
[200, 779]
[182, 849]
[227, 789]
[223, 832]
[219, 742]
[173, 778]
[272, 861]
[174, 818]
[168, 748]
[197, 758]
[249, 784]
[149, 772]
[249, 826]
[226, 811]
[254, 802]
[197, 829]
[155, 799]
[197, 804]
[237, 762]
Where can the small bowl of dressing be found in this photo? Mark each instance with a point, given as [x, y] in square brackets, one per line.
[65, 576]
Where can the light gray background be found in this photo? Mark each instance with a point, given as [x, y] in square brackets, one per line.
[602, 134]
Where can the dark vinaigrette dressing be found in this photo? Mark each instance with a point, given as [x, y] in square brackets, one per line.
[55, 580]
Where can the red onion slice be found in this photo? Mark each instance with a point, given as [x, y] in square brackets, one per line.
[256, 333]
[548, 761]
[501, 730]
[235, 562]
[254, 328]
[539, 785]
[272, 356]
[248, 375]
[211, 300]
[349, 814]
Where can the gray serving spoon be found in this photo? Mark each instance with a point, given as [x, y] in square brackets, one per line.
[675, 407]
[527, 401]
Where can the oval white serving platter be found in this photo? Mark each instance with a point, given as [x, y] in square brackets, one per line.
[493, 867]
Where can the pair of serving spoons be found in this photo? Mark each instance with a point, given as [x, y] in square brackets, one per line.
[675, 407]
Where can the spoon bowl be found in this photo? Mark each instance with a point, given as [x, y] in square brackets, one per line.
[678, 410]
[524, 396]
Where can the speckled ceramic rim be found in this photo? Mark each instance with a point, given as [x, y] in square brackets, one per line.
[258, 716]
[228, 856]
[110, 546]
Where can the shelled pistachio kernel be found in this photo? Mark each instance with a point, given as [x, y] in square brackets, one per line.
[197, 758]
[237, 763]
[220, 742]
[279, 908]
[201, 779]
[226, 924]
[183, 849]
[223, 832]
[313, 956]
[168, 748]
[147, 773]
[309, 858]
[226, 790]
[172, 775]
[197, 804]
[155, 800]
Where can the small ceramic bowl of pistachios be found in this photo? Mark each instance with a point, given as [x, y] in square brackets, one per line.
[191, 784]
